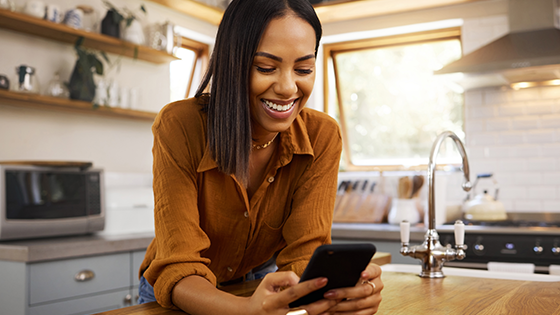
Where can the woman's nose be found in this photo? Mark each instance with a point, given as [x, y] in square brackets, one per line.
[286, 85]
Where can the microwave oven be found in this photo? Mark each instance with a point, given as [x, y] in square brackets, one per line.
[45, 200]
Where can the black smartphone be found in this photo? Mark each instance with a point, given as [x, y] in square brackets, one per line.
[341, 264]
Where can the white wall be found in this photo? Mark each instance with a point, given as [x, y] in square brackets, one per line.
[117, 145]
[513, 134]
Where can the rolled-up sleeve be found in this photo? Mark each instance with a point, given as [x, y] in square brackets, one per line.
[179, 239]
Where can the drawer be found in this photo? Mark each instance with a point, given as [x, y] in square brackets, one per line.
[137, 259]
[50, 281]
[85, 305]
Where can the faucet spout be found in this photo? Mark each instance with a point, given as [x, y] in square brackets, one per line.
[432, 170]
[431, 252]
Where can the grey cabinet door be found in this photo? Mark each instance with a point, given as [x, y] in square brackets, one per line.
[56, 280]
[137, 259]
[86, 305]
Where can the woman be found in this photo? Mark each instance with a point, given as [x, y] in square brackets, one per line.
[245, 176]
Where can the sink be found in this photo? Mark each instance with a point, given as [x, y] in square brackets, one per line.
[474, 273]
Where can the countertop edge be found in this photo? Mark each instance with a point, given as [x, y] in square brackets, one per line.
[37, 250]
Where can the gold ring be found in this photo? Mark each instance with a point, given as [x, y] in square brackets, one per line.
[300, 311]
[372, 285]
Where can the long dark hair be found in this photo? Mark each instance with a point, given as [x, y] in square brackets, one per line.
[239, 33]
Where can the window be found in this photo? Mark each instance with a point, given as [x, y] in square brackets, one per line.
[187, 72]
[389, 104]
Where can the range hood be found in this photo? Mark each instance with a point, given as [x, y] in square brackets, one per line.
[529, 53]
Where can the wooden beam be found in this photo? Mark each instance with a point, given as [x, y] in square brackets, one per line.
[194, 8]
[367, 8]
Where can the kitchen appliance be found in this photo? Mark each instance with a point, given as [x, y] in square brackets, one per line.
[27, 82]
[530, 52]
[484, 207]
[522, 238]
[39, 199]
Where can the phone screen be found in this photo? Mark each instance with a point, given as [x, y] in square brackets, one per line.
[341, 264]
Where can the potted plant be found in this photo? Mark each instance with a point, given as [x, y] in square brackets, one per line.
[126, 18]
[82, 85]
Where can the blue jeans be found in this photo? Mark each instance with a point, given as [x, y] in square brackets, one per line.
[146, 291]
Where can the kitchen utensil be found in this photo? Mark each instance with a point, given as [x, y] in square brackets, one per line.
[134, 33]
[417, 183]
[74, 18]
[157, 38]
[57, 88]
[27, 82]
[403, 209]
[7, 5]
[54, 13]
[404, 189]
[4, 82]
[35, 8]
[484, 207]
[90, 21]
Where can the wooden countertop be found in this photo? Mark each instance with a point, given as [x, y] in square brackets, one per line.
[406, 293]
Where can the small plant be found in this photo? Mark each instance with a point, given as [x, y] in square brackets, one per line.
[122, 15]
[82, 85]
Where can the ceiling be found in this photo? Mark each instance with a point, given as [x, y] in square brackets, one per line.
[328, 10]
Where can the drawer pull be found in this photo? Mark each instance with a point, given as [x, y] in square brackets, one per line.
[84, 275]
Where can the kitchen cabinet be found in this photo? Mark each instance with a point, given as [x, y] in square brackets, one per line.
[59, 32]
[81, 285]
[38, 276]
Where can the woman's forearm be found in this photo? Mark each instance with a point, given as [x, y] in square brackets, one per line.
[196, 296]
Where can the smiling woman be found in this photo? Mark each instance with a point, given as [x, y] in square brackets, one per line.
[245, 176]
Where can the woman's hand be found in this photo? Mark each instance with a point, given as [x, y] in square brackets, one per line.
[277, 290]
[364, 298]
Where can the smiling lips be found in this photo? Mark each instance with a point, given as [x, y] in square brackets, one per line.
[279, 111]
[280, 108]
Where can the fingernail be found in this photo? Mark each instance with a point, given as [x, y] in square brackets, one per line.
[330, 294]
[321, 281]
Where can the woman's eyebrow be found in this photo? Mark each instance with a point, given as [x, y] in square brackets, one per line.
[273, 57]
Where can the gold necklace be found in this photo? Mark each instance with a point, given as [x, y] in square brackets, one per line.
[262, 146]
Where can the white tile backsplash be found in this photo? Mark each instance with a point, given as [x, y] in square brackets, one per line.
[525, 122]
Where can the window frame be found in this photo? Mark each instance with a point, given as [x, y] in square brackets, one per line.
[330, 51]
[202, 57]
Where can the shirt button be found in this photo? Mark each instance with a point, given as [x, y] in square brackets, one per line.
[229, 269]
[270, 179]
[246, 214]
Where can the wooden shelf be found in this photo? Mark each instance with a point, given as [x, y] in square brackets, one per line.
[31, 25]
[50, 103]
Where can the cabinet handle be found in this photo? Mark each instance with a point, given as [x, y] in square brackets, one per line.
[84, 275]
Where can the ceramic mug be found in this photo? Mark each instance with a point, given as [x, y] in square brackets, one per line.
[74, 18]
[7, 5]
[53, 13]
[35, 8]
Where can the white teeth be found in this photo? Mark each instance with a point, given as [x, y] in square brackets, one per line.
[277, 107]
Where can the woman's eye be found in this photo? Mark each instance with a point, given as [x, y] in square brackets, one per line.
[304, 71]
[265, 70]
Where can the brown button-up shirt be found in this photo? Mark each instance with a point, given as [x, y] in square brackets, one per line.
[206, 225]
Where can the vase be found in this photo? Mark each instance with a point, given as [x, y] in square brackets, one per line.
[109, 26]
[134, 33]
[81, 85]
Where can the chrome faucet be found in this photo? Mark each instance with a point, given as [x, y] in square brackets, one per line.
[431, 252]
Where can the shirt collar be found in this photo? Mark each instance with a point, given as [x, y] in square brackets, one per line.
[295, 140]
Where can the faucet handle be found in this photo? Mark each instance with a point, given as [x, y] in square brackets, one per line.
[459, 233]
[405, 232]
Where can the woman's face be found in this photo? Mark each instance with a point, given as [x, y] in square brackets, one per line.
[282, 74]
